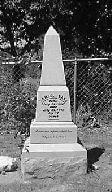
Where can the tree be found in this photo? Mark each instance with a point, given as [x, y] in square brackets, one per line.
[85, 29]
[84, 26]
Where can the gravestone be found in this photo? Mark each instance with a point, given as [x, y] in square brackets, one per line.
[53, 135]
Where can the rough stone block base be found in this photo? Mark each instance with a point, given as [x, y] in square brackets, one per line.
[53, 161]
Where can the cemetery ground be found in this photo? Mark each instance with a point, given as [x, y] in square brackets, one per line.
[98, 142]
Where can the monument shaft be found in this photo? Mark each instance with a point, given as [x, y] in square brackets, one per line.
[52, 66]
[53, 135]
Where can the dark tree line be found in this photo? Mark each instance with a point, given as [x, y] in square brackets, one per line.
[84, 26]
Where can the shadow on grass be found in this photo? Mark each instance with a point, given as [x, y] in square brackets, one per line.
[93, 156]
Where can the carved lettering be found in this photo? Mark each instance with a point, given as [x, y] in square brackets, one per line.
[54, 105]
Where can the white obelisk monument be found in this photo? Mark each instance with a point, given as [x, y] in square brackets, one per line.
[53, 135]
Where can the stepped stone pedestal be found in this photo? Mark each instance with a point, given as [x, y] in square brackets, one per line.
[52, 149]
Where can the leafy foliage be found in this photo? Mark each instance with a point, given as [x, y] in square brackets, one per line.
[84, 26]
[17, 103]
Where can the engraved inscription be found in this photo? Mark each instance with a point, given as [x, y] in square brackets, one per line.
[54, 105]
[56, 134]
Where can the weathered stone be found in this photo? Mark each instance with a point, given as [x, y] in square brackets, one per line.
[42, 169]
[7, 164]
[54, 161]
[52, 150]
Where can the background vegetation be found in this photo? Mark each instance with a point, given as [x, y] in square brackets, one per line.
[85, 29]
[85, 26]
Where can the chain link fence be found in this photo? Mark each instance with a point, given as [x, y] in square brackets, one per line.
[18, 89]
[93, 91]
[94, 83]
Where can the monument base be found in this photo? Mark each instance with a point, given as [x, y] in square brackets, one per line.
[52, 132]
[41, 161]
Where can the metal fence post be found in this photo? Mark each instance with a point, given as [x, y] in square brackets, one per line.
[75, 88]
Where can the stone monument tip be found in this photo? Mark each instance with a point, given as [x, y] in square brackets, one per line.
[51, 31]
